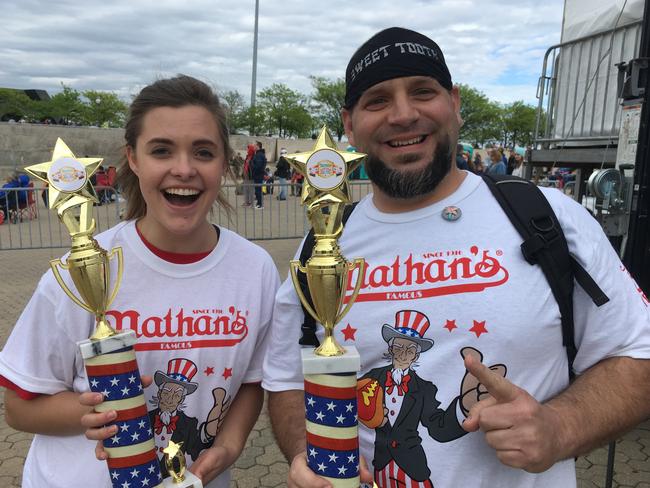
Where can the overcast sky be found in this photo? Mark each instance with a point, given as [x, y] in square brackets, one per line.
[496, 46]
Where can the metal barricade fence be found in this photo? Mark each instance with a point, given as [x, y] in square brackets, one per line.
[29, 224]
[279, 219]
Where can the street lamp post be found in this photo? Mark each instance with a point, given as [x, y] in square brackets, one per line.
[98, 101]
[254, 81]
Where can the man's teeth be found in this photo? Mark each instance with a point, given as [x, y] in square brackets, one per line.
[184, 192]
[415, 140]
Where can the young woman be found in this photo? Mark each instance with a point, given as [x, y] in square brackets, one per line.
[199, 298]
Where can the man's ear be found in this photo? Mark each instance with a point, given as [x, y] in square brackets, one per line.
[455, 98]
[130, 157]
[346, 115]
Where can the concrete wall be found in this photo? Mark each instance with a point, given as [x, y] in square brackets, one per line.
[25, 144]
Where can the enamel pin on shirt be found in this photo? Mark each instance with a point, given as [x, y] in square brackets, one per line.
[451, 213]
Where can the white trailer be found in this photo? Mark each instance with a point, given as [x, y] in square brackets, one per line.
[591, 98]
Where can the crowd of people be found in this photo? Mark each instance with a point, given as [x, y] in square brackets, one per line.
[472, 391]
[496, 162]
[258, 179]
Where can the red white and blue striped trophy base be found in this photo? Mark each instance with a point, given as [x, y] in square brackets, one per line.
[330, 371]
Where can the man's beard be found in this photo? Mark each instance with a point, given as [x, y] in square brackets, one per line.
[408, 184]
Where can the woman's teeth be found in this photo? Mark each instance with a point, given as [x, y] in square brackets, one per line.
[181, 196]
[183, 192]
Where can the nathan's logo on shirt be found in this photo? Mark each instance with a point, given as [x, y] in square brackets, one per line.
[432, 274]
[184, 329]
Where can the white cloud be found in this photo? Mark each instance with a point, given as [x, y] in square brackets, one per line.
[122, 45]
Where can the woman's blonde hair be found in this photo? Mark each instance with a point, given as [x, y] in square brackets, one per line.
[176, 92]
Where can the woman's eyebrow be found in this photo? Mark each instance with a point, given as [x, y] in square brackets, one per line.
[160, 140]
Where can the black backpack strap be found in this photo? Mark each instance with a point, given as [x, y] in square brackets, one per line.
[545, 244]
[308, 327]
[588, 284]
[309, 324]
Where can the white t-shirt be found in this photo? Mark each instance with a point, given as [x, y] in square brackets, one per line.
[214, 313]
[469, 278]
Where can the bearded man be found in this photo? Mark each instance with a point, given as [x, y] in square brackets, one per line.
[436, 240]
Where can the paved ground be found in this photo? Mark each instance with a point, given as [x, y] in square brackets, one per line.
[261, 465]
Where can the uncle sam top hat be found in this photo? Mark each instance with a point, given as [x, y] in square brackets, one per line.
[179, 371]
[411, 325]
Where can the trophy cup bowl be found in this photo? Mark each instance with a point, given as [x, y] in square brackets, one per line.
[90, 274]
[327, 277]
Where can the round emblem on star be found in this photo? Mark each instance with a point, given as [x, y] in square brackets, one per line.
[325, 169]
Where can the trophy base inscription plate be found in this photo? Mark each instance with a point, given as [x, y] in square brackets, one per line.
[190, 481]
[314, 364]
[90, 349]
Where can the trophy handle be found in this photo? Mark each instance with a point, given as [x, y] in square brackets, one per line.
[357, 263]
[294, 266]
[117, 252]
[55, 264]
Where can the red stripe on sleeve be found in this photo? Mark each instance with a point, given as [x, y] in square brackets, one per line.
[24, 394]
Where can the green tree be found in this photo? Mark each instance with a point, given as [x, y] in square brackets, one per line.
[253, 119]
[519, 123]
[329, 98]
[65, 106]
[285, 111]
[481, 117]
[235, 110]
[15, 104]
[299, 122]
[103, 109]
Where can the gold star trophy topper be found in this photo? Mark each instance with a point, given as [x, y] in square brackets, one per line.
[68, 178]
[326, 170]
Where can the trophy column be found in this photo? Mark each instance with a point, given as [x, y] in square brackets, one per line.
[113, 371]
[330, 371]
[331, 416]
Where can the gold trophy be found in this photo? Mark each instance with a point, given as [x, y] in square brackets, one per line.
[109, 356]
[175, 464]
[330, 371]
